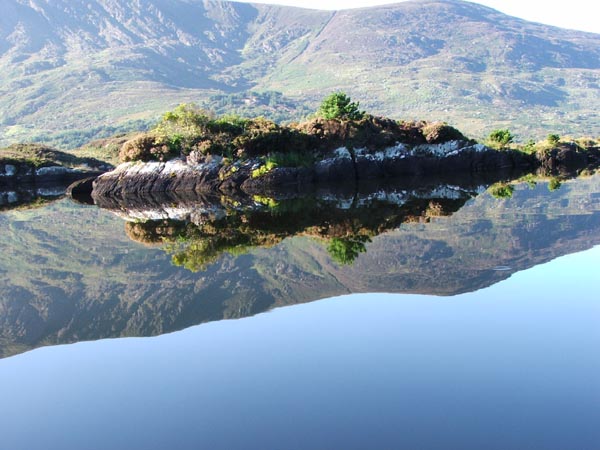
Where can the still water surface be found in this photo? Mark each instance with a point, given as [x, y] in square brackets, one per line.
[506, 359]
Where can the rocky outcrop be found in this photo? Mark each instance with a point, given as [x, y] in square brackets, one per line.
[567, 158]
[341, 165]
[14, 173]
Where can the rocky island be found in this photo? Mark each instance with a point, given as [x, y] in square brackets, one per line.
[191, 151]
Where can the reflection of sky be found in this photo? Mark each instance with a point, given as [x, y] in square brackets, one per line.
[513, 366]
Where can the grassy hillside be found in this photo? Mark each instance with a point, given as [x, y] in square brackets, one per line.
[83, 69]
[40, 156]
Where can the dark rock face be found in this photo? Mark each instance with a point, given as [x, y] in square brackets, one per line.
[567, 158]
[81, 190]
[13, 171]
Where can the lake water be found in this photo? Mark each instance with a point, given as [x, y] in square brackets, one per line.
[446, 319]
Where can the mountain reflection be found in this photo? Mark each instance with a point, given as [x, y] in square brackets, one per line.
[70, 272]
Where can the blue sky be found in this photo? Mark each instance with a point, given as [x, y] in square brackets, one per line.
[575, 14]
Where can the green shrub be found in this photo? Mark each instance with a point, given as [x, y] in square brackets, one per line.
[264, 169]
[339, 106]
[230, 124]
[501, 137]
[146, 147]
[345, 250]
[439, 132]
[553, 139]
[529, 146]
[502, 190]
[554, 184]
[269, 202]
[183, 127]
[291, 159]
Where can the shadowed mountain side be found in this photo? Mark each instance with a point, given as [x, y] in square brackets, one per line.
[119, 64]
[69, 273]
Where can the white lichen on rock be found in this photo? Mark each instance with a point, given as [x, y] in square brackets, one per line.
[9, 171]
[53, 171]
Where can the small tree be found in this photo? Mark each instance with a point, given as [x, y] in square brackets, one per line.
[501, 137]
[339, 106]
[345, 250]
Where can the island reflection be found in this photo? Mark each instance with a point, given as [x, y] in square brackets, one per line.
[197, 230]
[80, 277]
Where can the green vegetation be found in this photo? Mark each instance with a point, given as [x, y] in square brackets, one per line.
[264, 169]
[529, 147]
[339, 106]
[185, 120]
[148, 148]
[554, 184]
[197, 255]
[40, 155]
[269, 202]
[191, 130]
[291, 159]
[500, 138]
[505, 190]
[553, 139]
[345, 250]
[502, 190]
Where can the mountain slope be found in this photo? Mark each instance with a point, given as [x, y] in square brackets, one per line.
[84, 65]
